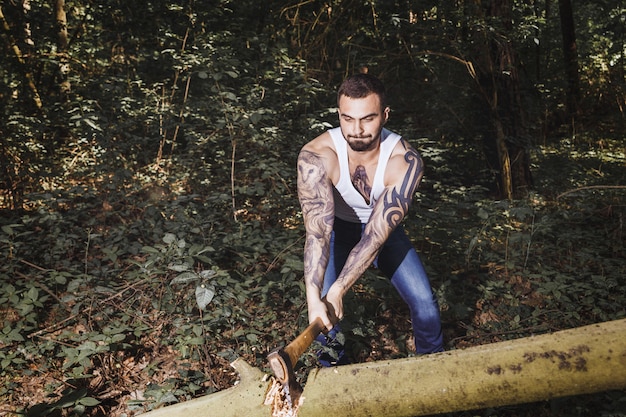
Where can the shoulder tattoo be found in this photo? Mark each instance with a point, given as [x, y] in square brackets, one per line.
[314, 191]
[397, 201]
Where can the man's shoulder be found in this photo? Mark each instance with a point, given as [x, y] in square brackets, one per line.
[321, 151]
[403, 159]
[322, 145]
[402, 147]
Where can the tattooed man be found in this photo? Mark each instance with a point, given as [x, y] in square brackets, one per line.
[355, 185]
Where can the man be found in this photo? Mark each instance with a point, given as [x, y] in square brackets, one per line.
[355, 185]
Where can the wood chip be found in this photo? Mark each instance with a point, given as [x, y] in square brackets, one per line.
[278, 397]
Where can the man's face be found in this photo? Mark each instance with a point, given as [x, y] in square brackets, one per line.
[361, 121]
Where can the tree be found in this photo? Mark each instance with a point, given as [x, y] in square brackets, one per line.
[570, 57]
[505, 134]
[62, 43]
[26, 72]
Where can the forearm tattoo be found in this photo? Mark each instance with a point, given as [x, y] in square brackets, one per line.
[316, 199]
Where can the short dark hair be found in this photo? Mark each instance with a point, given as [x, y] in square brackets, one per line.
[362, 85]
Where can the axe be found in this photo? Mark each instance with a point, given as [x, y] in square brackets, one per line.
[282, 360]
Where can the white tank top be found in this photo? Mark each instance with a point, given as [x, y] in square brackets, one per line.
[349, 203]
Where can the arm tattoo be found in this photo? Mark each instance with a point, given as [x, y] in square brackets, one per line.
[396, 202]
[316, 199]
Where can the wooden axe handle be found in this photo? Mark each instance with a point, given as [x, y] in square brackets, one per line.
[296, 348]
[282, 360]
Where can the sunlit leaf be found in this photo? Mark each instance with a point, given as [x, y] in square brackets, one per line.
[204, 295]
[169, 238]
[179, 267]
[185, 277]
[88, 401]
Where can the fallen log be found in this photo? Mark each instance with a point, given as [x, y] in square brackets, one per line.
[578, 361]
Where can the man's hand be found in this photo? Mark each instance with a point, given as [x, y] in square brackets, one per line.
[325, 311]
[334, 303]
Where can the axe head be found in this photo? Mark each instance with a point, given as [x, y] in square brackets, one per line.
[281, 365]
[282, 360]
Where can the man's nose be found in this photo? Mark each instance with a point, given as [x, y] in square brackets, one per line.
[358, 127]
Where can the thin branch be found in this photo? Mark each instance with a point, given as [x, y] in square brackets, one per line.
[232, 178]
[277, 257]
[593, 187]
[181, 115]
[231, 133]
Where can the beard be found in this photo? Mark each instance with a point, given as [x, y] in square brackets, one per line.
[362, 143]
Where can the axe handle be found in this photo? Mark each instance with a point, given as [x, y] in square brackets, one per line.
[283, 360]
[296, 348]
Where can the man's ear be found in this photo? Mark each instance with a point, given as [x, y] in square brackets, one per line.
[386, 114]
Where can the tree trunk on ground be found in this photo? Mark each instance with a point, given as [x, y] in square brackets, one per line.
[571, 362]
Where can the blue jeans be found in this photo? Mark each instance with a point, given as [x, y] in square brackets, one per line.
[399, 261]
